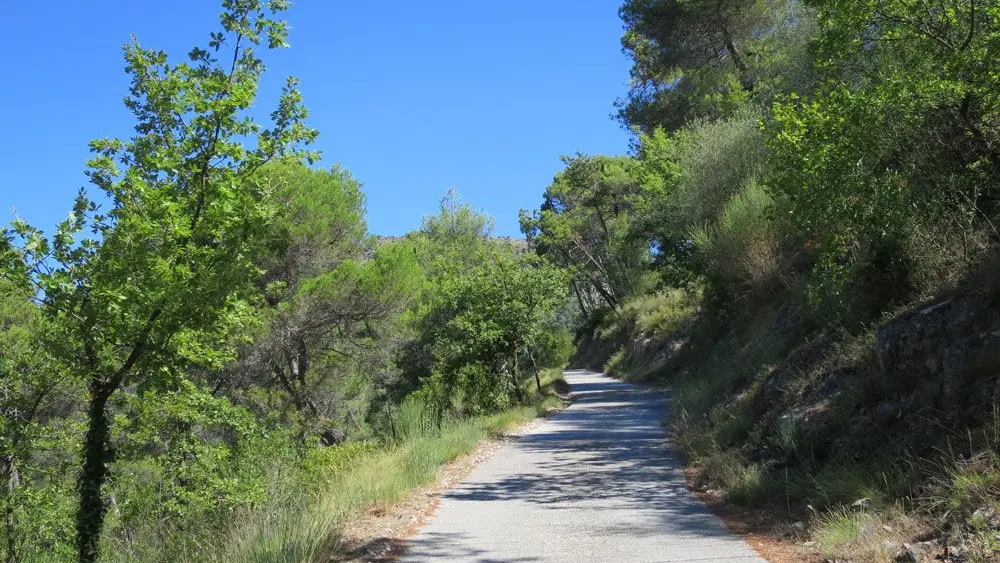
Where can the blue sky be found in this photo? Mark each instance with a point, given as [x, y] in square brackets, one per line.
[412, 97]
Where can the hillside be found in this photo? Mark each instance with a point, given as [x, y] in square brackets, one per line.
[802, 246]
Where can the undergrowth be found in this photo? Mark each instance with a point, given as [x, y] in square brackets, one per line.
[337, 483]
[783, 416]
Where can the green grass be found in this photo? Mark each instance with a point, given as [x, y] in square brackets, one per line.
[973, 484]
[839, 528]
[306, 531]
[864, 536]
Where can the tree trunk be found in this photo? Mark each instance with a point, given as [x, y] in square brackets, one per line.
[96, 456]
[12, 477]
[579, 298]
[517, 380]
[745, 80]
[534, 368]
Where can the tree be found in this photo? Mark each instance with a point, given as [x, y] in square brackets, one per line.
[707, 58]
[333, 297]
[483, 324]
[900, 139]
[156, 284]
[33, 391]
[584, 225]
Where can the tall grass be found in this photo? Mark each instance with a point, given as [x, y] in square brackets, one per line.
[306, 530]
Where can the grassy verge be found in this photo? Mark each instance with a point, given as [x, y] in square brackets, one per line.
[306, 530]
[792, 424]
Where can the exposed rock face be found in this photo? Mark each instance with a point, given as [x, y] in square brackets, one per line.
[915, 553]
[954, 343]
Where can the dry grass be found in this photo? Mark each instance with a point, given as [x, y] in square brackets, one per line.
[307, 530]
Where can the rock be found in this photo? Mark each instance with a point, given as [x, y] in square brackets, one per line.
[332, 436]
[799, 526]
[953, 341]
[927, 534]
[911, 553]
[987, 516]
[890, 546]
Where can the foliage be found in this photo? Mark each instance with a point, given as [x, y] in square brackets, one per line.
[37, 430]
[248, 365]
[355, 477]
[740, 250]
[709, 60]
[690, 176]
[483, 325]
[226, 318]
[332, 303]
[584, 224]
[158, 281]
[901, 136]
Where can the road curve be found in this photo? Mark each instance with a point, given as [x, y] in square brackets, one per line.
[596, 483]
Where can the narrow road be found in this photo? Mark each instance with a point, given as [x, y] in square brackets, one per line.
[595, 483]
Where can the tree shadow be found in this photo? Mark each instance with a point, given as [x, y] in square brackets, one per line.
[605, 463]
[453, 546]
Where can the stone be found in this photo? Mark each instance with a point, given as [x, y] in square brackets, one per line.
[332, 436]
[911, 553]
[987, 516]
[956, 340]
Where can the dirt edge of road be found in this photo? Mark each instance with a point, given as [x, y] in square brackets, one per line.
[774, 539]
[380, 534]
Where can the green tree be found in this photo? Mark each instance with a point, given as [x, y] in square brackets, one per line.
[585, 225]
[483, 324]
[33, 392]
[701, 59]
[899, 140]
[156, 284]
[484, 304]
[333, 299]
[447, 244]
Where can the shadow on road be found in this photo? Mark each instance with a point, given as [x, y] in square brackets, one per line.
[603, 466]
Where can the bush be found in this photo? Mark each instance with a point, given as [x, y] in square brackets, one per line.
[739, 251]
[703, 166]
[553, 348]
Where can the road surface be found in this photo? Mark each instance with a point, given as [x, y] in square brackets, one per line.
[595, 483]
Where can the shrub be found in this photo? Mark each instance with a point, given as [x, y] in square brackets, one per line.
[714, 159]
[553, 348]
[740, 249]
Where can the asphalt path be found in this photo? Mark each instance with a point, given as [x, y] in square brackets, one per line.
[596, 483]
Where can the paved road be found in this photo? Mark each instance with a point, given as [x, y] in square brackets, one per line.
[594, 484]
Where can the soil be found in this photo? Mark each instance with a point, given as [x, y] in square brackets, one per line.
[775, 539]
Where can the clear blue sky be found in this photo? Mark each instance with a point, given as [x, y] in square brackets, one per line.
[412, 97]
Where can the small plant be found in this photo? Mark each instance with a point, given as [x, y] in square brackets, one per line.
[854, 533]
[967, 485]
[841, 527]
